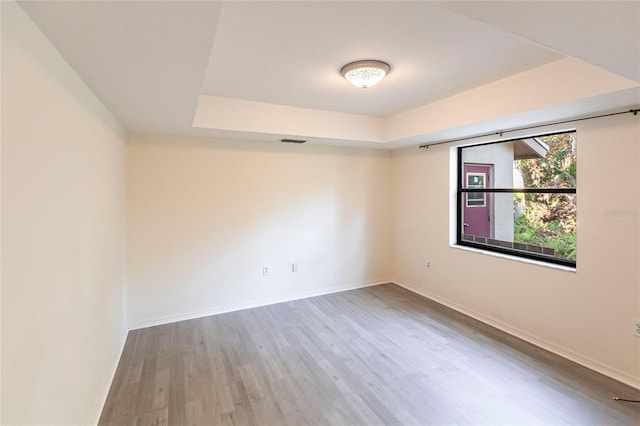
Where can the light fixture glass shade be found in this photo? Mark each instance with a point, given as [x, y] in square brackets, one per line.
[365, 74]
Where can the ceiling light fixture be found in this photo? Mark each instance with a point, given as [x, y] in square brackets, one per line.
[366, 73]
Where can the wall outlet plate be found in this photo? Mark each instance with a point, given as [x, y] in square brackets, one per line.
[266, 270]
[636, 327]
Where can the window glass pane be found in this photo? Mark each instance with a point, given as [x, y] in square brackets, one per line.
[475, 180]
[545, 162]
[540, 224]
[549, 221]
[535, 162]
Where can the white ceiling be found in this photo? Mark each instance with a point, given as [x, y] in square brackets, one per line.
[158, 64]
[603, 33]
[290, 53]
[145, 60]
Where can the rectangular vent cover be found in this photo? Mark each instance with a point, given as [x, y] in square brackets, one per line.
[292, 140]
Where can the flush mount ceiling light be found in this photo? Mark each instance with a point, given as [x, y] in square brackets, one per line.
[365, 74]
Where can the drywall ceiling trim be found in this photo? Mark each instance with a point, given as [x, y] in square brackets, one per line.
[623, 100]
[556, 83]
[249, 116]
[563, 82]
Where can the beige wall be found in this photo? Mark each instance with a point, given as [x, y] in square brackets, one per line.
[584, 315]
[204, 216]
[63, 235]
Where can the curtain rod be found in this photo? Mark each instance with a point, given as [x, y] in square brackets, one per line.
[631, 111]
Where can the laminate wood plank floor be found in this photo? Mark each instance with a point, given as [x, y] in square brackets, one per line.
[375, 356]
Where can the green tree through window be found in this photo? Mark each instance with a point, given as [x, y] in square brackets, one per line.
[549, 220]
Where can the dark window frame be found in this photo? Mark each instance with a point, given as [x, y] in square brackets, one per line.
[461, 190]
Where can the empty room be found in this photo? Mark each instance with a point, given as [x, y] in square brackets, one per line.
[320, 213]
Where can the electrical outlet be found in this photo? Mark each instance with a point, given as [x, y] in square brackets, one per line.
[636, 327]
[294, 267]
[266, 270]
[428, 265]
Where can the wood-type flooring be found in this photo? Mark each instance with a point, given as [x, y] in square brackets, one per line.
[374, 356]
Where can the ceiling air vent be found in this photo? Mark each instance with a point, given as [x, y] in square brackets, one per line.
[292, 140]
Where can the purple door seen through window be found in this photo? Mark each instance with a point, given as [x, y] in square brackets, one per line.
[477, 206]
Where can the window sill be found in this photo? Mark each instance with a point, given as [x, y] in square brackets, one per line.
[516, 258]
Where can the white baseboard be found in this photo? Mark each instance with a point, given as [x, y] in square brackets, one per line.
[252, 304]
[99, 406]
[569, 354]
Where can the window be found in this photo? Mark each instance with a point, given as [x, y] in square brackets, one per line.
[519, 197]
[476, 181]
